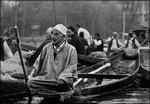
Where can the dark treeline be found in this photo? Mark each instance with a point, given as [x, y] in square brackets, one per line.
[33, 17]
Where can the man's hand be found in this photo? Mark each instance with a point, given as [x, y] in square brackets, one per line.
[60, 81]
[30, 76]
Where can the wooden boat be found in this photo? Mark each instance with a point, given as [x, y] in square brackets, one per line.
[103, 81]
[144, 65]
[109, 82]
[22, 92]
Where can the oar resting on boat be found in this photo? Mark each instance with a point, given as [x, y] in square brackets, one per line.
[92, 72]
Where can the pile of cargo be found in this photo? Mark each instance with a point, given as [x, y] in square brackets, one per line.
[121, 67]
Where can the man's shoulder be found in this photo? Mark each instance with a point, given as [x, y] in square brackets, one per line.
[48, 45]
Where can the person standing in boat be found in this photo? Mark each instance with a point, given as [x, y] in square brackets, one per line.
[98, 43]
[56, 66]
[114, 43]
[131, 46]
[33, 56]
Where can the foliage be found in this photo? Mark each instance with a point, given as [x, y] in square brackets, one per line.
[96, 16]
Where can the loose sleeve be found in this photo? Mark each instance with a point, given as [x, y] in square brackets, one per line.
[125, 43]
[70, 73]
[137, 43]
[39, 62]
[120, 43]
[108, 40]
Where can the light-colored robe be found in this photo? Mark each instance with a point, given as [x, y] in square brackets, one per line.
[64, 66]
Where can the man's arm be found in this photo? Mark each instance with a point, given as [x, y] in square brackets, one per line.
[125, 43]
[137, 43]
[108, 40]
[120, 43]
[37, 65]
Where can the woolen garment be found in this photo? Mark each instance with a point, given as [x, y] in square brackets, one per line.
[78, 43]
[99, 44]
[86, 45]
[1, 49]
[63, 66]
[113, 43]
[5, 52]
[38, 51]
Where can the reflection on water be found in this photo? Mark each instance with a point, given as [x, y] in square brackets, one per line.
[126, 96]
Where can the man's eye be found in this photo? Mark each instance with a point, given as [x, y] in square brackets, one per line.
[56, 34]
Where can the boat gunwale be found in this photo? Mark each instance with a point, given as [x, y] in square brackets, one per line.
[115, 82]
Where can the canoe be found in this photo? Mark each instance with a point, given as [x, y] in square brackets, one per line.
[144, 65]
[99, 80]
[20, 82]
[111, 81]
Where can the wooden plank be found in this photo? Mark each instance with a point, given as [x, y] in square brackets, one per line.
[102, 76]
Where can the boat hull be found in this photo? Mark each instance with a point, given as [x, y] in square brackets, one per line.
[112, 86]
[144, 63]
[23, 91]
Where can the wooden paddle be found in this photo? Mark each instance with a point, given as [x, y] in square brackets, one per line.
[22, 62]
[92, 72]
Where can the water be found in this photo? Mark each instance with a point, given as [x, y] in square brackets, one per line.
[135, 95]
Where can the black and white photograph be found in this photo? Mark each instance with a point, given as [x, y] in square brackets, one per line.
[74, 52]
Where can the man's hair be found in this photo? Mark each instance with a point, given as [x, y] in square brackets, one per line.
[81, 34]
[130, 35]
[78, 25]
[97, 34]
[72, 29]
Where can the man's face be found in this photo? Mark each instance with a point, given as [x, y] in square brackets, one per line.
[70, 33]
[115, 35]
[57, 36]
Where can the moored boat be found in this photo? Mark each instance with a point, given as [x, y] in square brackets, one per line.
[100, 79]
[144, 65]
[20, 82]
[113, 80]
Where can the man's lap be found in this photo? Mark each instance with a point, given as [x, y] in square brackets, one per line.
[38, 83]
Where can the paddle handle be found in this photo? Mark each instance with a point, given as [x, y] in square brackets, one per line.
[20, 54]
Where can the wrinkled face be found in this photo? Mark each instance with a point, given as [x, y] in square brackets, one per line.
[57, 36]
[70, 33]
